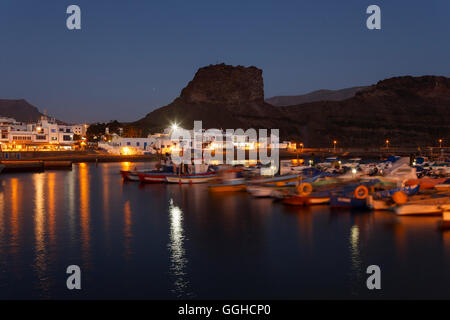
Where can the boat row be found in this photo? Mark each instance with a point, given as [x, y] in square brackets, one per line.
[394, 185]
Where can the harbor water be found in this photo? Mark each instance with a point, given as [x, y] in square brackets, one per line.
[159, 241]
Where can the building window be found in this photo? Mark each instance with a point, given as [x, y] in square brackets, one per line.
[67, 138]
[128, 143]
[41, 137]
[53, 130]
[22, 138]
[137, 144]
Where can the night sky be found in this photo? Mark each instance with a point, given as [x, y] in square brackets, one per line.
[133, 56]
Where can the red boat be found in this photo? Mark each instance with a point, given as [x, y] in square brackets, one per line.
[131, 175]
[305, 200]
[155, 176]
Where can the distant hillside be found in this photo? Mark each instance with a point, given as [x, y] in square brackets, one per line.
[319, 95]
[409, 111]
[20, 110]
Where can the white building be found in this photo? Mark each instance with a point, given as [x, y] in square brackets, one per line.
[47, 132]
[80, 129]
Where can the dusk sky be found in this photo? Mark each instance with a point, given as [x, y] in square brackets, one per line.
[131, 57]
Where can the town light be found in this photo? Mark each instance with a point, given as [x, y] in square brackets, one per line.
[387, 143]
[126, 151]
[440, 143]
[174, 126]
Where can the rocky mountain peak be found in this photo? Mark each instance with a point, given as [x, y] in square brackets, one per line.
[225, 84]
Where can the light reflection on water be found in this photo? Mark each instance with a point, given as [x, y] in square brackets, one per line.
[178, 260]
[170, 241]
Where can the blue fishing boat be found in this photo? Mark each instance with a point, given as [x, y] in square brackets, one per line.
[342, 201]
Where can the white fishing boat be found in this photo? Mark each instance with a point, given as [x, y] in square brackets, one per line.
[418, 209]
[419, 205]
[192, 179]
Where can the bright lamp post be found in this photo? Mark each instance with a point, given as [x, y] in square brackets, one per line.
[440, 143]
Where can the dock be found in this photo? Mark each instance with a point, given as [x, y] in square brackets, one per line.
[35, 166]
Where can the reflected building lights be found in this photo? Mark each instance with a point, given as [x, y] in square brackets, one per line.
[178, 260]
[51, 206]
[84, 210]
[14, 221]
[70, 196]
[127, 230]
[40, 259]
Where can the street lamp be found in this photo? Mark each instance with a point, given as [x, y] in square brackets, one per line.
[387, 143]
[334, 145]
[440, 143]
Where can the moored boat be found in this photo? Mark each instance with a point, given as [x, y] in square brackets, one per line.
[338, 201]
[259, 191]
[306, 200]
[133, 175]
[445, 186]
[191, 178]
[155, 176]
[418, 209]
[234, 185]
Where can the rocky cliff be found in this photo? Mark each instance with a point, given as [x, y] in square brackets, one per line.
[221, 96]
[409, 111]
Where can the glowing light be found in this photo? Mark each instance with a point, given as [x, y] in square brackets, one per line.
[174, 126]
[354, 171]
[126, 151]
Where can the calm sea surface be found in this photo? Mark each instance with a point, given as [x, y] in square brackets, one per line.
[170, 241]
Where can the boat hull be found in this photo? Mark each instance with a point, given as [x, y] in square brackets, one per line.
[227, 188]
[305, 200]
[154, 178]
[129, 175]
[347, 202]
[191, 179]
[418, 209]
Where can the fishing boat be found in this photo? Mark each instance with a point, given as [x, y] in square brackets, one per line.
[445, 186]
[339, 201]
[191, 178]
[133, 175]
[259, 191]
[234, 185]
[306, 200]
[277, 180]
[418, 209]
[426, 182]
[422, 205]
[155, 176]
